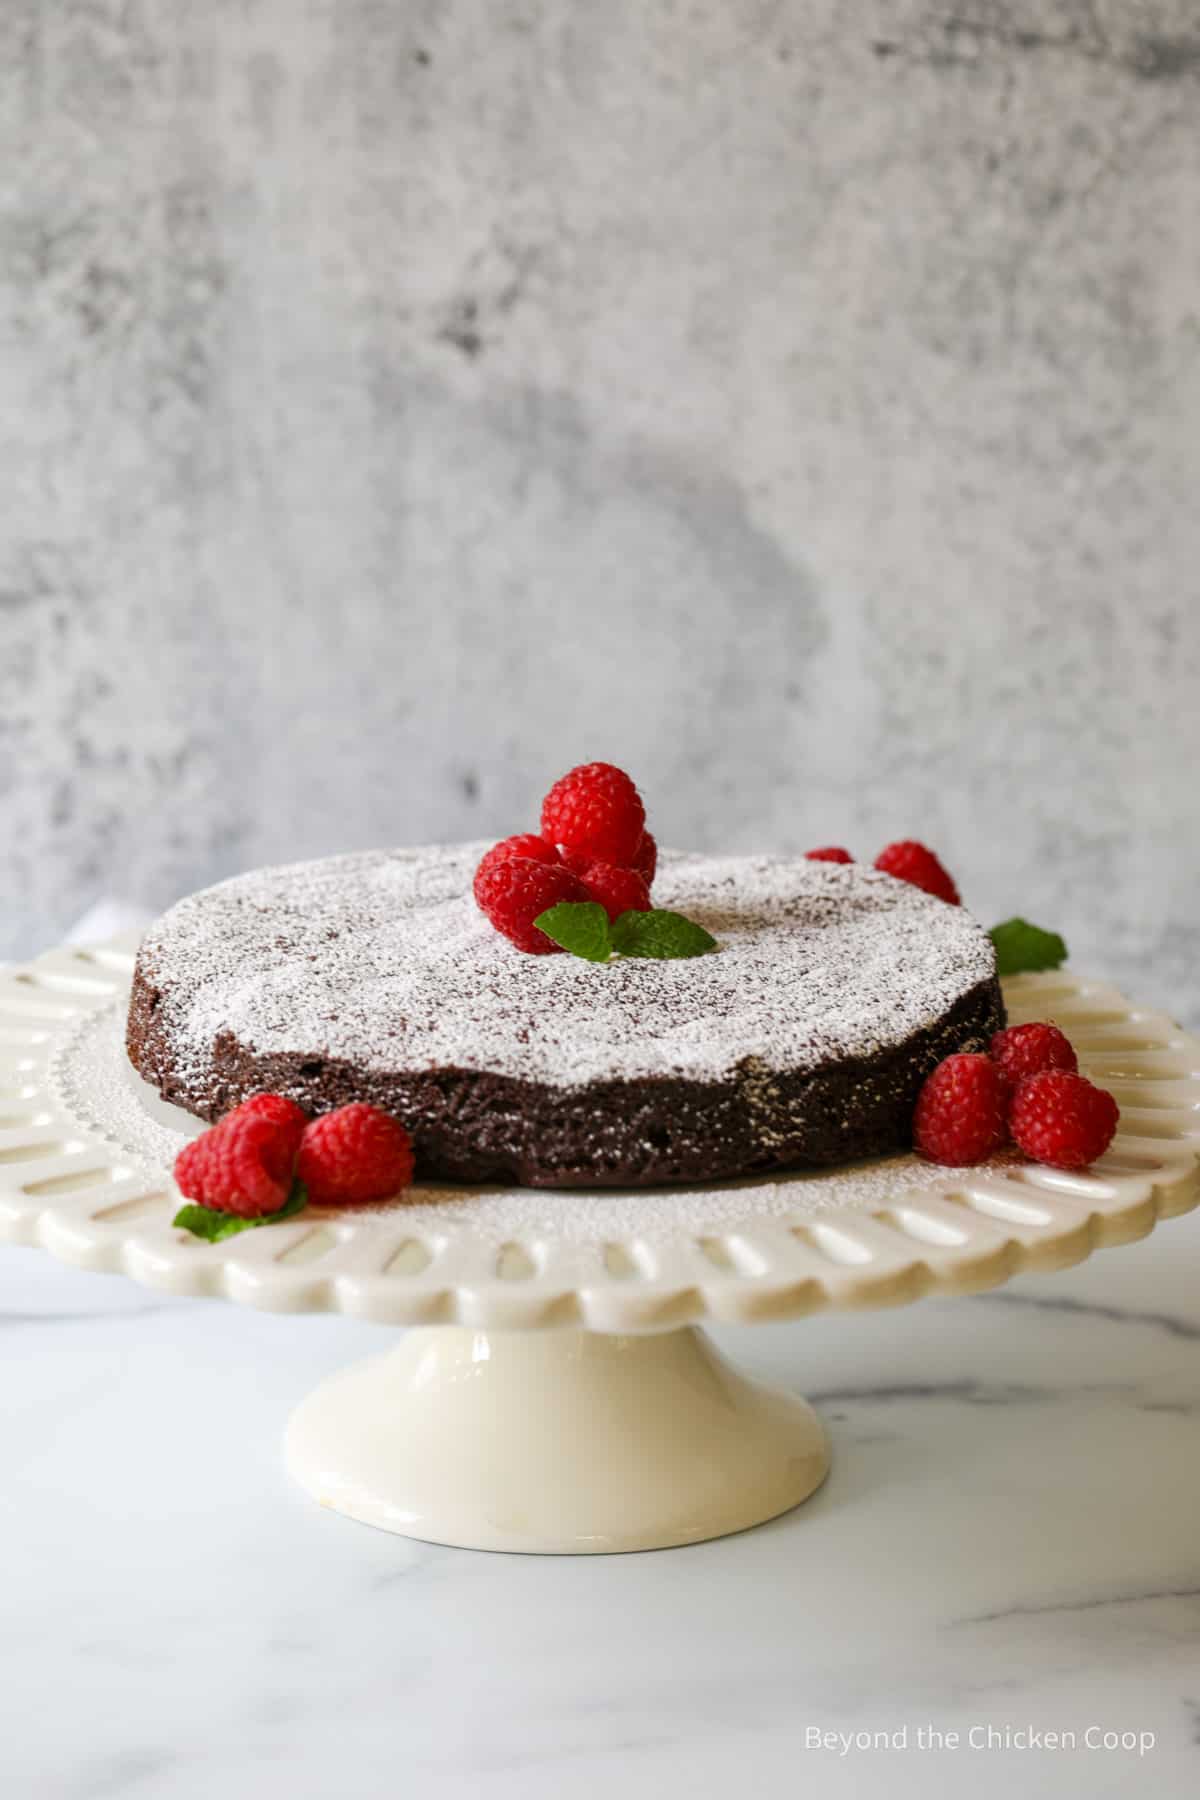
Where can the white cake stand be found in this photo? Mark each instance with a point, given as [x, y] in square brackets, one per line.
[556, 1393]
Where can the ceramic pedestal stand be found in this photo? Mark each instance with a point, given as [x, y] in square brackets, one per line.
[562, 1440]
[555, 1394]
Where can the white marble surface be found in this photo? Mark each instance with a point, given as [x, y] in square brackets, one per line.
[1009, 1539]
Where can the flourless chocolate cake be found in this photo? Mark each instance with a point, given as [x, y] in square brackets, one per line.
[802, 1040]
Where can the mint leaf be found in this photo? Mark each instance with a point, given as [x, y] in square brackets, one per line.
[1021, 946]
[580, 926]
[660, 934]
[206, 1222]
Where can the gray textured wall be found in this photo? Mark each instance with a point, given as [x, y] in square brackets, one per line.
[797, 402]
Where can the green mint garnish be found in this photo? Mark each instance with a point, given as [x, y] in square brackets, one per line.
[582, 927]
[1021, 946]
[660, 934]
[206, 1222]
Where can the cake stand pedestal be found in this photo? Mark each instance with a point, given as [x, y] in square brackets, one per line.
[555, 1441]
[554, 1394]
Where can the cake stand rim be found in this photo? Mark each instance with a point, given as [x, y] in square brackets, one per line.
[67, 1191]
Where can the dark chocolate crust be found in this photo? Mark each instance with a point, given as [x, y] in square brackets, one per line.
[469, 1125]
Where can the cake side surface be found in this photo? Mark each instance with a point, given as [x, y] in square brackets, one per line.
[802, 1040]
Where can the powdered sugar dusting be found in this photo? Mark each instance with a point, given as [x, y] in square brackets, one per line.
[95, 1085]
[383, 960]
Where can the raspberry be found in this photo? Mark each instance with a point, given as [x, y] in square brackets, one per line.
[617, 890]
[283, 1113]
[243, 1165]
[645, 859]
[960, 1111]
[526, 844]
[831, 853]
[514, 892]
[912, 862]
[1059, 1118]
[595, 808]
[1024, 1050]
[355, 1154]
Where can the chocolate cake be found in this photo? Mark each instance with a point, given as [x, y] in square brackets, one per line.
[802, 1040]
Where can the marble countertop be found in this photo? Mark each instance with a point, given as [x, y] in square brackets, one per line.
[1009, 1543]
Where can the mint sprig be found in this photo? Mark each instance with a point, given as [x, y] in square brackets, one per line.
[661, 934]
[582, 927]
[1022, 947]
[206, 1222]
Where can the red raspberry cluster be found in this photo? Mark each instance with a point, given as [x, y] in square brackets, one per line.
[593, 846]
[907, 861]
[247, 1163]
[1026, 1090]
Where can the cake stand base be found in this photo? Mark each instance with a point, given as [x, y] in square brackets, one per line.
[556, 1442]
